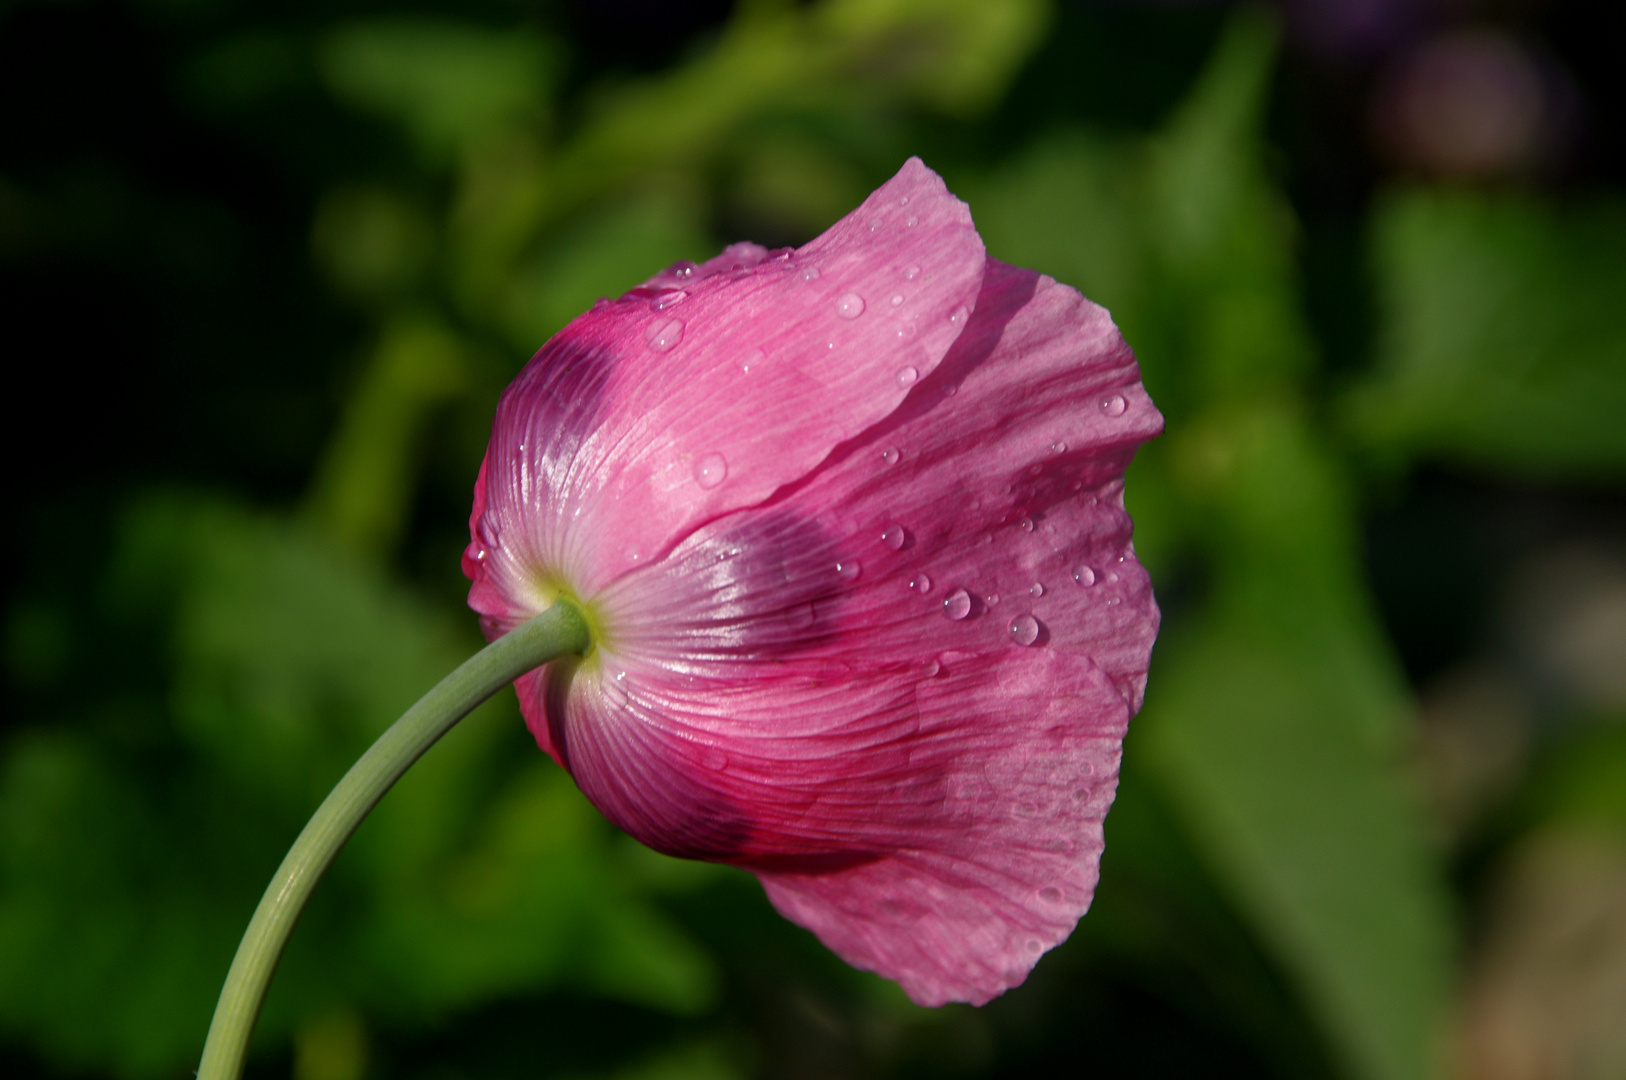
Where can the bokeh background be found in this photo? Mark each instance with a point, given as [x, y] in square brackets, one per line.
[267, 267]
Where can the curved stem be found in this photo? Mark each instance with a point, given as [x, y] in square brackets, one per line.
[559, 631]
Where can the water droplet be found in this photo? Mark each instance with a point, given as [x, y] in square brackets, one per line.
[664, 300]
[714, 759]
[809, 273]
[931, 668]
[1050, 894]
[710, 471]
[957, 604]
[1024, 629]
[850, 306]
[752, 359]
[663, 334]
[800, 617]
[911, 272]
[1035, 946]
[910, 221]
[958, 316]
[1112, 575]
[950, 389]
[682, 269]
[874, 223]
[1036, 590]
[893, 537]
[906, 376]
[1084, 575]
[848, 569]
[1058, 447]
[992, 599]
[1114, 405]
[897, 299]
[1027, 525]
[921, 584]
[890, 456]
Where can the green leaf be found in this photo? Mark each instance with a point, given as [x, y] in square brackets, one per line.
[1272, 719]
[1501, 342]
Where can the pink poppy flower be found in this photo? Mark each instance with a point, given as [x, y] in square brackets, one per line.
[848, 525]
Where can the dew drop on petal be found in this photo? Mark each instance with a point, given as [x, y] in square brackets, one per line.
[897, 299]
[1114, 405]
[1084, 575]
[664, 300]
[921, 584]
[1050, 894]
[850, 306]
[1058, 447]
[957, 604]
[1035, 945]
[752, 359]
[714, 759]
[848, 569]
[710, 471]
[958, 315]
[906, 376]
[903, 200]
[890, 456]
[910, 221]
[809, 273]
[1036, 590]
[931, 668]
[992, 598]
[910, 273]
[1027, 525]
[893, 537]
[682, 269]
[664, 333]
[874, 223]
[1024, 629]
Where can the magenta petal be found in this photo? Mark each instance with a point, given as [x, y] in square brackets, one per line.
[796, 689]
[868, 618]
[670, 406]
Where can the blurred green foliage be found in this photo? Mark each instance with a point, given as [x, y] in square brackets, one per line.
[1273, 900]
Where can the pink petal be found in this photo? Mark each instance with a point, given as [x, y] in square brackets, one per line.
[786, 689]
[668, 407]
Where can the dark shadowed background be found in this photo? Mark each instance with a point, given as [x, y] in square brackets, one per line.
[264, 269]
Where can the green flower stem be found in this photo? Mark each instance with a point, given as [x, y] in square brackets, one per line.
[559, 631]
